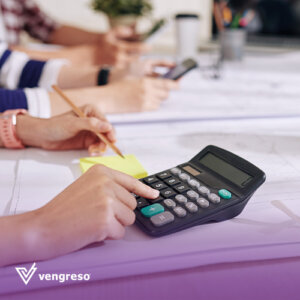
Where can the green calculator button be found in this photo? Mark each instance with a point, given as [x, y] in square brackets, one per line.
[152, 210]
[225, 194]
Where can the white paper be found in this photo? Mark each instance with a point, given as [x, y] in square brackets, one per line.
[259, 87]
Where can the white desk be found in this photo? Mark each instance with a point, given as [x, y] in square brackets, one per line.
[264, 234]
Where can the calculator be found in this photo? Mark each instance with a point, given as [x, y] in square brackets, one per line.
[214, 186]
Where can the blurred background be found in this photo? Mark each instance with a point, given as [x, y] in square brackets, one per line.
[276, 23]
[80, 13]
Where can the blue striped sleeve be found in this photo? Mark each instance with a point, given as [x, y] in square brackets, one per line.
[4, 58]
[31, 74]
[12, 99]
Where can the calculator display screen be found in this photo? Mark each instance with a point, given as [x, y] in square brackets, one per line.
[226, 170]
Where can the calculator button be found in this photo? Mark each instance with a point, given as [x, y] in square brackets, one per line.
[180, 212]
[164, 175]
[181, 199]
[141, 202]
[214, 198]
[192, 195]
[191, 207]
[172, 181]
[184, 177]
[150, 180]
[162, 219]
[158, 185]
[203, 203]
[159, 198]
[204, 190]
[194, 183]
[167, 193]
[225, 194]
[169, 203]
[152, 210]
[181, 188]
[175, 171]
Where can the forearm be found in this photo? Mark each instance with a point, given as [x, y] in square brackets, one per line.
[98, 96]
[41, 55]
[77, 77]
[72, 36]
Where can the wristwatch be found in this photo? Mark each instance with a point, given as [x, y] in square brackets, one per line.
[8, 133]
[103, 75]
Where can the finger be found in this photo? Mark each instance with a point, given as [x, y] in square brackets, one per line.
[166, 84]
[92, 124]
[111, 135]
[162, 94]
[163, 63]
[153, 105]
[171, 84]
[97, 149]
[124, 196]
[123, 214]
[134, 47]
[133, 185]
[93, 111]
[115, 230]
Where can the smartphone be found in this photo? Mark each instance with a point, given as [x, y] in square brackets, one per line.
[181, 69]
[155, 29]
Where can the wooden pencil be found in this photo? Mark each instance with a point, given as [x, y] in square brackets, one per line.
[80, 114]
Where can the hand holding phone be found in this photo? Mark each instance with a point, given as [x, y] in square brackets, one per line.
[181, 69]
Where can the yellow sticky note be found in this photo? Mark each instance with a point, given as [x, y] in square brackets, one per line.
[130, 165]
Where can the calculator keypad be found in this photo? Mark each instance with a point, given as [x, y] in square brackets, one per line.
[180, 212]
[180, 188]
[169, 203]
[191, 207]
[159, 185]
[162, 219]
[181, 199]
[184, 177]
[181, 195]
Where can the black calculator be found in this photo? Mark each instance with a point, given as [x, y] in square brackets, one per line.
[214, 186]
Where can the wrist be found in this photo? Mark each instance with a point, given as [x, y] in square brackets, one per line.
[30, 130]
[34, 235]
[20, 232]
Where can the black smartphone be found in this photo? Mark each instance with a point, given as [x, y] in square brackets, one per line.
[181, 69]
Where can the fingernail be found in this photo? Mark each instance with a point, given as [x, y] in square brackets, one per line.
[105, 126]
[155, 193]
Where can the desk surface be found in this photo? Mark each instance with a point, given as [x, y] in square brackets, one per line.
[267, 229]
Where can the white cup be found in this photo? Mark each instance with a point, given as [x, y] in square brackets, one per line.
[187, 28]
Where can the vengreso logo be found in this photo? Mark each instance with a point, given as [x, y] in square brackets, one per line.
[26, 275]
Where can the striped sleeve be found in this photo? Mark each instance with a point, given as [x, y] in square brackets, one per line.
[18, 71]
[36, 101]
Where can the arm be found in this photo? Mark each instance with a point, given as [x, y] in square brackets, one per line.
[73, 36]
[96, 207]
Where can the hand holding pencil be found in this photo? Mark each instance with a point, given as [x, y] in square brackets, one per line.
[81, 114]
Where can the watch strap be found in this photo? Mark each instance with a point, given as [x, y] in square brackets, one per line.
[103, 76]
[8, 133]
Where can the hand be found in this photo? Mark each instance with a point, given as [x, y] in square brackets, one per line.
[135, 95]
[96, 207]
[139, 68]
[115, 49]
[67, 131]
